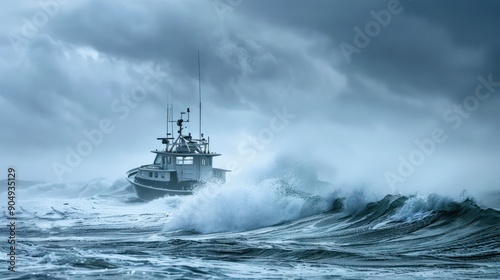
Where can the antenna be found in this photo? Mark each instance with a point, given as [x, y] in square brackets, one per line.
[171, 116]
[199, 87]
[168, 117]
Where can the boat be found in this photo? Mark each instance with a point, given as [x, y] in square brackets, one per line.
[185, 164]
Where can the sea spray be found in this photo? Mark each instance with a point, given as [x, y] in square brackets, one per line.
[419, 207]
[220, 208]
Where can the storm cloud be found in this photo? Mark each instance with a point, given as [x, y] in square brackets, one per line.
[104, 71]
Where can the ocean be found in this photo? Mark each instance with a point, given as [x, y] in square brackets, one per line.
[277, 228]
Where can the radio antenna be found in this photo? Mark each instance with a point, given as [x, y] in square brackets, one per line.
[199, 88]
[168, 118]
[172, 115]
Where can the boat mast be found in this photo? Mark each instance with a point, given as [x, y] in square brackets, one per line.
[172, 117]
[168, 120]
[199, 90]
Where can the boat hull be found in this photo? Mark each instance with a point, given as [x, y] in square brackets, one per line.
[149, 189]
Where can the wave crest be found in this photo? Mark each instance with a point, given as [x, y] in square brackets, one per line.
[219, 208]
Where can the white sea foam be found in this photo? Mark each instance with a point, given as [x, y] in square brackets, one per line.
[420, 207]
[218, 208]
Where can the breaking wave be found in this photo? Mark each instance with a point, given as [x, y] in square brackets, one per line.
[234, 208]
[217, 208]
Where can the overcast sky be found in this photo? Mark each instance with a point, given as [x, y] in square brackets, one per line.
[345, 89]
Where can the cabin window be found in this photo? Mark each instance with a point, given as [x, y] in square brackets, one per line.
[184, 160]
[188, 160]
[163, 175]
[158, 160]
[169, 160]
[150, 174]
[203, 161]
[156, 174]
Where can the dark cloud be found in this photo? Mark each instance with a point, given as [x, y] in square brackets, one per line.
[258, 57]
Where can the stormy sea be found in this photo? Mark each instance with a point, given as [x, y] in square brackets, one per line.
[277, 228]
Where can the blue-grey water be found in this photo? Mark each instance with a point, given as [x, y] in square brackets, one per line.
[273, 229]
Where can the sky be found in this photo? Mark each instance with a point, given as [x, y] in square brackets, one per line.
[398, 95]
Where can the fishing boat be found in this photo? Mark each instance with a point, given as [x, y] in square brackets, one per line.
[185, 164]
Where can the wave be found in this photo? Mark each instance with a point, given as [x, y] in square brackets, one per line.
[293, 225]
[233, 208]
[279, 221]
[279, 201]
[220, 208]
